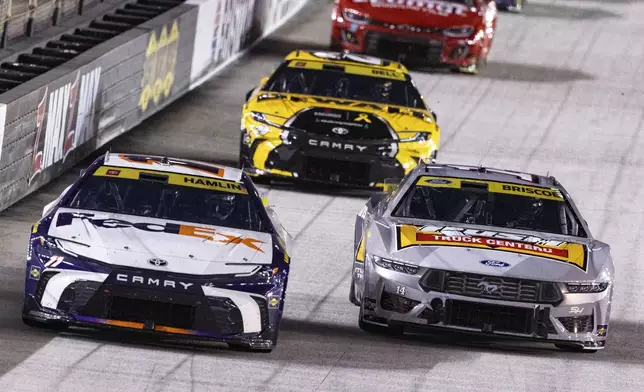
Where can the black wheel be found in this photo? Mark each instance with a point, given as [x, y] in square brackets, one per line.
[573, 348]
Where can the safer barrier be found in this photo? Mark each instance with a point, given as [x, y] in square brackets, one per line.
[82, 89]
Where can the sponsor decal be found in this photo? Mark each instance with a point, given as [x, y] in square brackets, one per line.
[430, 235]
[64, 120]
[175, 179]
[337, 145]
[205, 233]
[439, 181]
[158, 262]
[576, 310]
[159, 65]
[602, 330]
[401, 290]
[363, 117]
[153, 282]
[273, 303]
[34, 272]
[442, 8]
[340, 131]
[233, 21]
[495, 263]
[493, 186]
[54, 261]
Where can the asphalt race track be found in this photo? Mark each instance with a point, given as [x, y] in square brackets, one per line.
[563, 93]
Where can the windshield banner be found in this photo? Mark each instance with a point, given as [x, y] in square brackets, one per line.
[567, 252]
[494, 187]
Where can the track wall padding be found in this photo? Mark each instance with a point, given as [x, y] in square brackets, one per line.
[51, 122]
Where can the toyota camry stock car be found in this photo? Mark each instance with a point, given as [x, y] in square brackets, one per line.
[158, 245]
[336, 118]
[455, 34]
[483, 251]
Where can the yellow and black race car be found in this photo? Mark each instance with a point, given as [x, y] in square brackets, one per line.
[336, 118]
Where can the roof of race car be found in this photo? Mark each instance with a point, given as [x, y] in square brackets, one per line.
[487, 174]
[339, 58]
[173, 165]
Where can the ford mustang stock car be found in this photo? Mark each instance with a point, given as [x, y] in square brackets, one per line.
[483, 251]
[163, 246]
[456, 34]
[336, 118]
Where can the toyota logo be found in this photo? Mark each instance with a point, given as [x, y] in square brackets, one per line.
[158, 262]
[340, 131]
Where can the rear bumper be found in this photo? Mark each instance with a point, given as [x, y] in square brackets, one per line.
[87, 299]
[410, 48]
[287, 162]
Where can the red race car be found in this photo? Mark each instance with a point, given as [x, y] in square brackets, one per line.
[456, 34]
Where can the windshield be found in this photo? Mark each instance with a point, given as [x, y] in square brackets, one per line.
[336, 83]
[168, 196]
[484, 203]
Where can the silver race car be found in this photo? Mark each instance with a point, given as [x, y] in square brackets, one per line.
[484, 251]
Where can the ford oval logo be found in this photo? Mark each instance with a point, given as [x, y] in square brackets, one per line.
[439, 181]
[158, 262]
[494, 263]
[340, 131]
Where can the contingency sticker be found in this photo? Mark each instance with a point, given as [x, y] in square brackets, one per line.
[174, 179]
[493, 186]
[351, 69]
[566, 252]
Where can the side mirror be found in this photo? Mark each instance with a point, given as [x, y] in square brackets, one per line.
[248, 94]
[391, 184]
[375, 199]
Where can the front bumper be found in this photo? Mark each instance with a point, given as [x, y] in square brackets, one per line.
[412, 48]
[320, 165]
[396, 299]
[99, 300]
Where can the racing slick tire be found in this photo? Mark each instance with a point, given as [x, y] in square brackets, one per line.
[575, 348]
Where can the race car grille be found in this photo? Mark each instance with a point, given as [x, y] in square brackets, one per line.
[396, 303]
[404, 48]
[489, 318]
[333, 170]
[225, 316]
[492, 287]
[407, 28]
[263, 310]
[77, 295]
[577, 324]
[138, 310]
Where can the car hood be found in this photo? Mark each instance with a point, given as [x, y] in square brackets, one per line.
[283, 107]
[490, 252]
[133, 241]
[425, 13]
